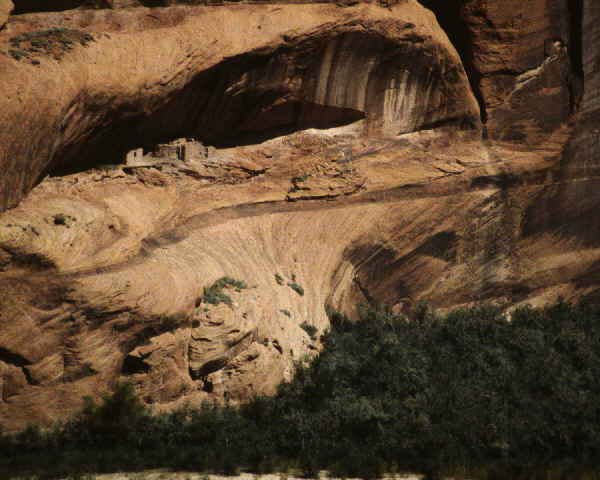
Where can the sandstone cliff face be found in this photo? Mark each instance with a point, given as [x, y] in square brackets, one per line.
[350, 164]
[569, 207]
[519, 58]
[584, 149]
[525, 67]
[206, 80]
[6, 6]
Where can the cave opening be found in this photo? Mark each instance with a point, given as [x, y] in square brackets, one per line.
[212, 109]
[288, 118]
[576, 36]
[111, 147]
[449, 16]
[243, 100]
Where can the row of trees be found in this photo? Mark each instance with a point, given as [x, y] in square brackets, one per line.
[468, 392]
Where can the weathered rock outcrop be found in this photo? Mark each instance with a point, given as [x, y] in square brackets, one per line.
[6, 6]
[569, 207]
[350, 165]
[521, 52]
[33, 6]
[520, 59]
[584, 150]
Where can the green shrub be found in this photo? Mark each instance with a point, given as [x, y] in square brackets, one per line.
[285, 312]
[311, 330]
[54, 41]
[119, 414]
[42, 33]
[279, 279]
[297, 288]
[18, 54]
[215, 295]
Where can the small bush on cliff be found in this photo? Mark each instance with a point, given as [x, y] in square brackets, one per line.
[311, 330]
[215, 294]
[55, 42]
[18, 53]
[297, 288]
[300, 178]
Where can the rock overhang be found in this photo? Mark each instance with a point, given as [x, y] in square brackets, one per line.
[307, 66]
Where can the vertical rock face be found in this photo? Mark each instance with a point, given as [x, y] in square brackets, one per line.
[590, 106]
[519, 59]
[584, 150]
[570, 207]
[520, 53]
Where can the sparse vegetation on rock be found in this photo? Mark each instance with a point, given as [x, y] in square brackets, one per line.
[293, 285]
[311, 330]
[215, 294]
[53, 42]
[17, 54]
[297, 288]
[299, 179]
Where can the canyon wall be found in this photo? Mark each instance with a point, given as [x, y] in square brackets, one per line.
[351, 153]
[6, 8]
[583, 152]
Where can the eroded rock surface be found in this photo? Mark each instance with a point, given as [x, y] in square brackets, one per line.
[277, 71]
[343, 160]
[521, 58]
[6, 6]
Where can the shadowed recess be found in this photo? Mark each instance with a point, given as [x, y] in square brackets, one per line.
[243, 100]
[319, 83]
[30, 6]
[449, 16]
[576, 36]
